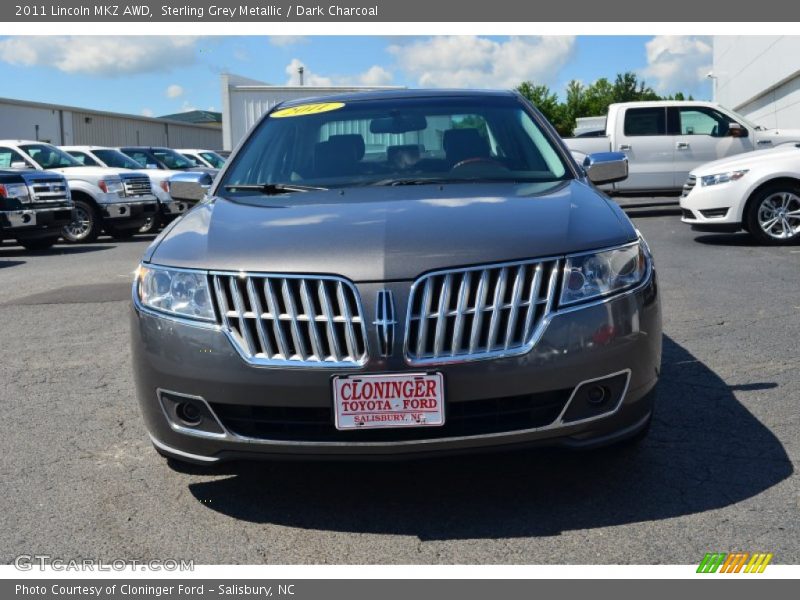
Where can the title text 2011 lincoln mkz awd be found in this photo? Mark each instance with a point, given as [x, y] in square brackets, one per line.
[398, 273]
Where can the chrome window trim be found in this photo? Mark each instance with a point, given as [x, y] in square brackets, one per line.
[558, 423]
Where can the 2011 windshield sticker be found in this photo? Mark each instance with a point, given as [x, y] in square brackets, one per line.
[307, 109]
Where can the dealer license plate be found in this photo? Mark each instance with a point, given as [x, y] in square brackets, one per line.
[376, 401]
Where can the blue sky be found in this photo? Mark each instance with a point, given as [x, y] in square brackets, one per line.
[158, 75]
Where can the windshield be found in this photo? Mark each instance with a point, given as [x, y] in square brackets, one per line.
[171, 159]
[50, 157]
[116, 159]
[394, 141]
[214, 159]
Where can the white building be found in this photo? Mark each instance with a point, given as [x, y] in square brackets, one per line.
[68, 125]
[759, 77]
[245, 100]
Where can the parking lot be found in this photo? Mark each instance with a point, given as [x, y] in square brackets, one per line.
[716, 473]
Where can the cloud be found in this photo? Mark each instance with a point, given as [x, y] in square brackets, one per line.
[187, 106]
[374, 76]
[174, 91]
[677, 62]
[472, 61]
[147, 112]
[102, 56]
[287, 40]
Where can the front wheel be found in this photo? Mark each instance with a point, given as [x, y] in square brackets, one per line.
[773, 215]
[85, 225]
[151, 225]
[44, 243]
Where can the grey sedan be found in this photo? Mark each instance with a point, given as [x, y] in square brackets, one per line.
[398, 273]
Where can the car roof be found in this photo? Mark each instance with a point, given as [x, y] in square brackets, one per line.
[402, 95]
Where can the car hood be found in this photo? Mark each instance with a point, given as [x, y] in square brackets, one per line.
[93, 172]
[779, 136]
[392, 233]
[748, 160]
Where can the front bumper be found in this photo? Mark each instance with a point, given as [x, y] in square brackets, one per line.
[35, 222]
[129, 213]
[620, 335]
[174, 208]
[716, 206]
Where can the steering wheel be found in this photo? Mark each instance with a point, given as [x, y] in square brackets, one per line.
[477, 160]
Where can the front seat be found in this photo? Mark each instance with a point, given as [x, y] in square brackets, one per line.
[339, 156]
[461, 144]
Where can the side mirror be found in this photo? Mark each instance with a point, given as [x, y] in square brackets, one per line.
[606, 167]
[20, 164]
[191, 186]
[736, 130]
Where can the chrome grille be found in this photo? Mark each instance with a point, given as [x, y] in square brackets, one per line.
[48, 190]
[689, 186]
[136, 185]
[292, 320]
[479, 312]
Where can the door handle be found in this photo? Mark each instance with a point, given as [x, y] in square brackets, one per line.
[624, 146]
[682, 145]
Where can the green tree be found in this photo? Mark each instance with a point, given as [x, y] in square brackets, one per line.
[592, 100]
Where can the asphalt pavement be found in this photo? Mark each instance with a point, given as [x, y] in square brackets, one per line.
[717, 472]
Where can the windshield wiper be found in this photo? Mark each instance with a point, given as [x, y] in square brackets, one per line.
[412, 181]
[274, 188]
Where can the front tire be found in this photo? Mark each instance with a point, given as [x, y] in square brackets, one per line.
[773, 214]
[85, 225]
[151, 225]
[38, 244]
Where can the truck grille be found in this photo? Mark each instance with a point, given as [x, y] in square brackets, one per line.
[292, 320]
[689, 186]
[49, 191]
[136, 185]
[479, 312]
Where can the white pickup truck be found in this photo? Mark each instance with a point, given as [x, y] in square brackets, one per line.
[116, 200]
[665, 140]
[100, 156]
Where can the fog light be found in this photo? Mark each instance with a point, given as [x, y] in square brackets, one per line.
[188, 413]
[122, 210]
[597, 394]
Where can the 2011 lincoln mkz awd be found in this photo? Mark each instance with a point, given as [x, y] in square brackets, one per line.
[398, 273]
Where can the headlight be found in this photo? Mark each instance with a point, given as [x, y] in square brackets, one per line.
[165, 185]
[175, 292]
[112, 186]
[15, 190]
[706, 180]
[589, 276]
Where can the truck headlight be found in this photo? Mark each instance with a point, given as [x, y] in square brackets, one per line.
[112, 186]
[707, 180]
[178, 292]
[18, 191]
[594, 275]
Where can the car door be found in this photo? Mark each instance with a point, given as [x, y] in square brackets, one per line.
[703, 134]
[642, 135]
